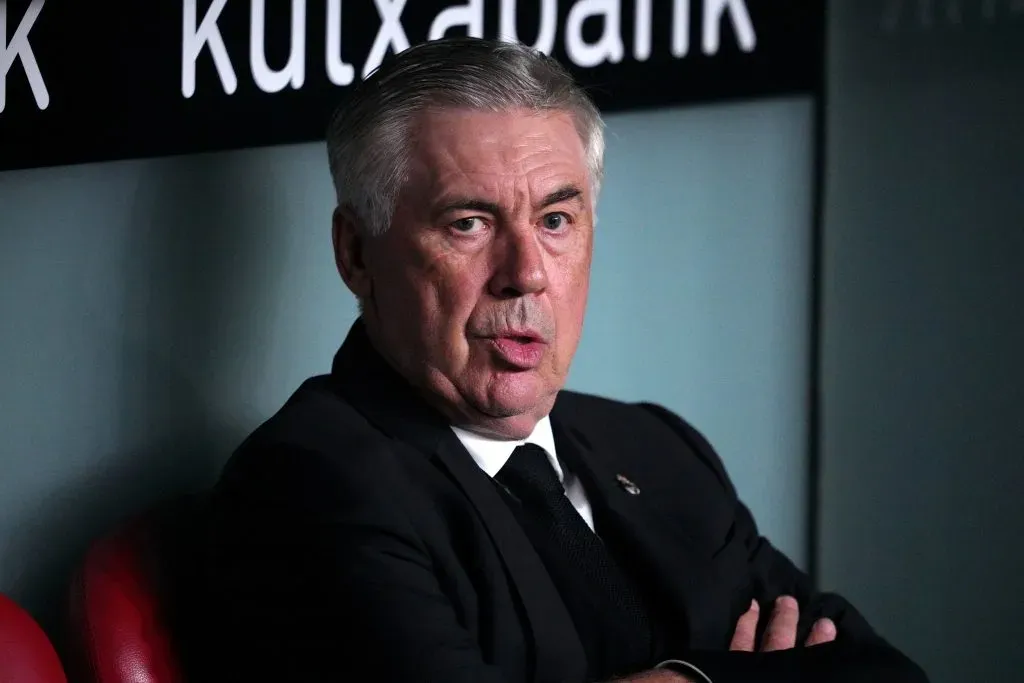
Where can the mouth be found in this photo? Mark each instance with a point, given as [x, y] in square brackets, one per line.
[522, 337]
[521, 350]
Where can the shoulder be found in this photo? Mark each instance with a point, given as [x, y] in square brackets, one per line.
[650, 424]
[317, 415]
[316, 448]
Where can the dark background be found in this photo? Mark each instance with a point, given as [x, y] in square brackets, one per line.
[113, 71]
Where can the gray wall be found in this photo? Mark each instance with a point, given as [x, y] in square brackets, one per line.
[701, 289]
[155, 311]
[923, 434]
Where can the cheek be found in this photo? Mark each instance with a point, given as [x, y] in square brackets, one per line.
[449, 289]
[408, 289]
[581, 286]
[577, 282]
[571, 305]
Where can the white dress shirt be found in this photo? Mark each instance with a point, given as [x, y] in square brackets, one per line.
[492, 454]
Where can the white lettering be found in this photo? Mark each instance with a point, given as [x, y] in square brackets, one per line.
[294, 72]
[470, 15]
[192, 44]
[680, 28]
[545, 34]
[20, 48]
[741, 24]
[609, 45]
[642, 30]
[338, 71]
[391, 34]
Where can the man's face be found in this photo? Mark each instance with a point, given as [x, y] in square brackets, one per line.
[478, 289]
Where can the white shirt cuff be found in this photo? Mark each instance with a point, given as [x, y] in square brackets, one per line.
[679, 666]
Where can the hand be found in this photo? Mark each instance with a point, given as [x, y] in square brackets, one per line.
[781, 631]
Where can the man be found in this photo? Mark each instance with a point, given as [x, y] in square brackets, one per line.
[438, 508]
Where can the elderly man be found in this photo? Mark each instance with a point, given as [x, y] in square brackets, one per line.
[438, 508]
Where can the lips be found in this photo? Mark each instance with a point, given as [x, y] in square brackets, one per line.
[521, 350]
[521, 337]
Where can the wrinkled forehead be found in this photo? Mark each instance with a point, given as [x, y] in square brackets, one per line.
[499, 155]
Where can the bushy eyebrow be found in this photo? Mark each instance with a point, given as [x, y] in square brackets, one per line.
[562, 194]
[467, 203]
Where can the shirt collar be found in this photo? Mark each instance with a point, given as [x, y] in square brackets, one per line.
[492, 454]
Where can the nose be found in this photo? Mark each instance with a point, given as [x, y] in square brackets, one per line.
[520, 265]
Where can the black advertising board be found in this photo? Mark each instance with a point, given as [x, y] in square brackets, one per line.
[93, 81]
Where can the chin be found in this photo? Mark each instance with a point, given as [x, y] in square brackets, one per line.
[518, 394]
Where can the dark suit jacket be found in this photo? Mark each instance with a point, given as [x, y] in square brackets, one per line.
[354, 538]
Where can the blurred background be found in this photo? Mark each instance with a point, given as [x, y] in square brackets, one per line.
[830, 290]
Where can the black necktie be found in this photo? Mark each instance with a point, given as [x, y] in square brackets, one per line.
[606, 607]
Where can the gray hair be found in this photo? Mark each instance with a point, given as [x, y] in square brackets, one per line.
[368, 137]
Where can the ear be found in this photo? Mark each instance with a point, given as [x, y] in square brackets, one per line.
[349, 245]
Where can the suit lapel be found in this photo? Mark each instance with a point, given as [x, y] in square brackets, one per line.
[391, 404]
[559, 652]
[682, 571]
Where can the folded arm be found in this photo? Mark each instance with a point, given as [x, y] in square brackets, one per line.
[857, 655]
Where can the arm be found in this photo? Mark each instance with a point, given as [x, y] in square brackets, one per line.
[857, 655]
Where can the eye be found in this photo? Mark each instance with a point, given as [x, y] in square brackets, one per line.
[555, 221]
[468, 226]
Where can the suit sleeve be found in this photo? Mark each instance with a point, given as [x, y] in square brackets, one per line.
[858, 655]
[317, 575]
